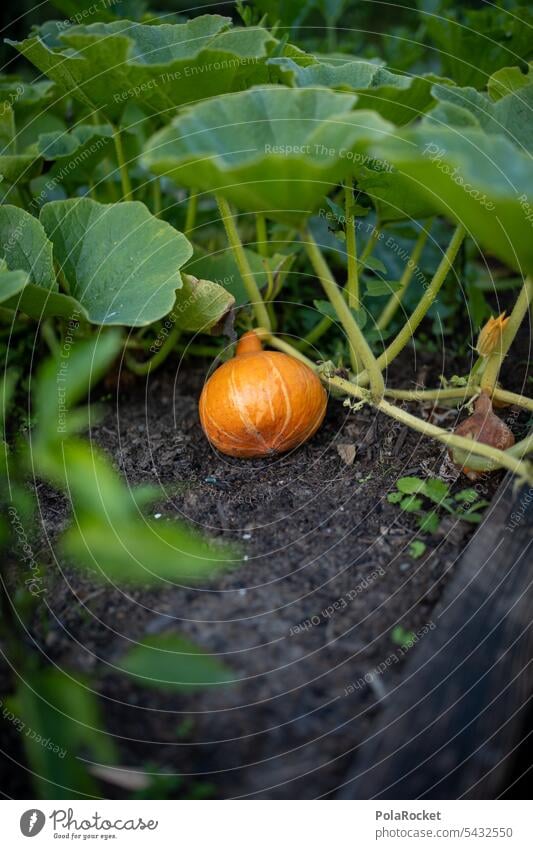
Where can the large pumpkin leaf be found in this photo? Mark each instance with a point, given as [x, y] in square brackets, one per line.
[481, 181]
[108, 65]
[398, 98]
[268, 149]
[78, 150]
[41, 303]
[24, 245]
[11, 283]
[391, 193]
[28, 255]
[508, 80]
[511, 115]
[120, 262]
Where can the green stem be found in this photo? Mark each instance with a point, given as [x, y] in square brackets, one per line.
[156, 196]
[495, 361]
[124, 175]
[459, 392]
[262, 238]
[49, 336]
[325, 323]
[452, 440]
[199, 350]
[258, 306]
[513, 398]
[158, 358]
[286, 347]
[262, 249]
[504, 459]
[392, 305]
[352, 283]
[371, 243]
[359, 348]
[427, 299]
[192, 209]
[481, 464]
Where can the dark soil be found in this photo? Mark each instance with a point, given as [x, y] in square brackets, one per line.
[306, 622]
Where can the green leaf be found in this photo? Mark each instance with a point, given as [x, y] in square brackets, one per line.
[429, 522]
[11, 283]
[470, 495]
[15, 166]
[473, 43]
[392, 194]
[221, 268]
[411, 504]
[78, 151]
[170, 662]
[160, 66]
[374, 264]
[120, 262]
[60, 723]
[131, 552]
[397, 98]
[268, 149]
[481, 181]
[201, 304]
[410, 485]
[326, 308]
[394, 497]
[436, 489]
[41, 303]
[25, 246]
[473, 516]
[403, 638]
[376, 288]
[61, 383]
[508, 80]
[509, 116]
[417, 548]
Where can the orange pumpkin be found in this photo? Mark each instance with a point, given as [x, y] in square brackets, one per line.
[484, 426]
[261, 402]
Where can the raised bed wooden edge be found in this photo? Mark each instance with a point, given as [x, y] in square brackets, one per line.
[453, 727]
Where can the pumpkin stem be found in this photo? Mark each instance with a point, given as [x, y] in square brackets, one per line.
[249, 343]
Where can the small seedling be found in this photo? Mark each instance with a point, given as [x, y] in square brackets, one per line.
[429, 499]
[403, 638]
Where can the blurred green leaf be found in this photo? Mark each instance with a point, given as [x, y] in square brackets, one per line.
[62, 383]
[141, 552]
[508, 80]
[59, 720]
[170, 662]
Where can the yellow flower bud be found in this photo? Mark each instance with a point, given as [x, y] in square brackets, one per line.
[490, 335]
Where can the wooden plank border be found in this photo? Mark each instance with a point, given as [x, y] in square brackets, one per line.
[452, 728]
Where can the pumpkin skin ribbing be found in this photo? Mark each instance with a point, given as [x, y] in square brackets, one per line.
[261, 402]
